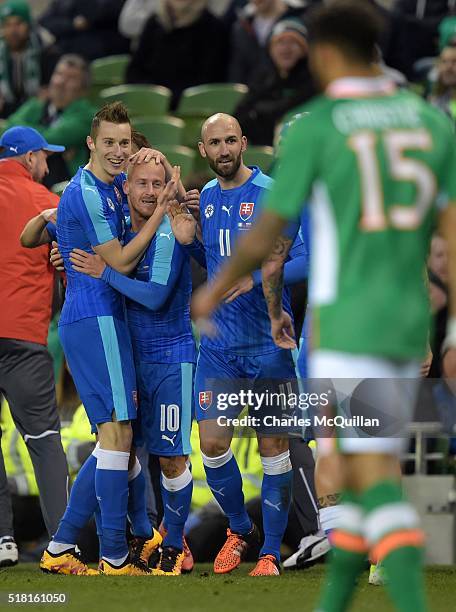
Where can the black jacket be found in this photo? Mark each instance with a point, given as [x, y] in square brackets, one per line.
[180, 58]
[102, 36]
[269, 98]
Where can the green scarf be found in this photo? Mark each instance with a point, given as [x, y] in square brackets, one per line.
[31, 69]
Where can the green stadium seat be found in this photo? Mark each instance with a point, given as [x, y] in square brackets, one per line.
[205, 100]
[141, 100]
[109, 70]
[180, 156]
[106, 72]
[59, 188]
[259, 156]
[200, 102]
[160, 130]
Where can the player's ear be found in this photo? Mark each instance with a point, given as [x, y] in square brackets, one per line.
[243, 143]
[202, 150]
[90, 143]
[126, 187]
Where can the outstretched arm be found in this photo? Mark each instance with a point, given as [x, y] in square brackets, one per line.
[35, 233]
[150, 294]
[125, 258]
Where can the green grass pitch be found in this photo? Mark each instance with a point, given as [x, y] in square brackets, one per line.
[203, 591]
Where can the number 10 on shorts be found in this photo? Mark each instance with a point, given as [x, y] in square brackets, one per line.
[169, 417]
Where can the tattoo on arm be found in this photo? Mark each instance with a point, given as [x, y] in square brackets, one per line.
[272, 276]
[329, 500]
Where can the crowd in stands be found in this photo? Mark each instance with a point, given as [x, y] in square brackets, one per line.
[46, 83]
[183, 43]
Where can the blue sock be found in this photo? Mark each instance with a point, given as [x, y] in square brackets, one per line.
[275, 501]
[99, 525]
[177, 496]
[225, 481]
[81, 505]
[137, 513]
[111, 485]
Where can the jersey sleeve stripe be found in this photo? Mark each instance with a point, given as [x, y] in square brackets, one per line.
[94, 207]
[161, 266]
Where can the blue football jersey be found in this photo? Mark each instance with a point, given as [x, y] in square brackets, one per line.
[243, 325]
[158, 300]
[89, 214]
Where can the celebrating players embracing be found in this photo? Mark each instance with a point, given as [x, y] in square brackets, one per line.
[96, 341]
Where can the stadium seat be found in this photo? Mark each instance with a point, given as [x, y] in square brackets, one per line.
[59, 188]
[109, 70]
[205, 100]
[141, 100]
[198, 103]
[259, 156]
[106, 72]
[160, 130]
[180, 156]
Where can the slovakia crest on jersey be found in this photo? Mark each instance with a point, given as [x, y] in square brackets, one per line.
[246, 210]
[209, 211]
[111, 204]
[205, 399]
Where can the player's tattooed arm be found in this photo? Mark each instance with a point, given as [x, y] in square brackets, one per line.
[326, 501]
[282, 330]
[272, 275]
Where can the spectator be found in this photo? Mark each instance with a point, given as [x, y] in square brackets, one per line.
[413, 32]
[173, 49]
[251, 32]
[135, 13]
[26, 61]
[86, 27]
[133, 17]
[64, 116]
[447, 31]
[438, 292]
[444, 94]
[276, 91]
[26, 282]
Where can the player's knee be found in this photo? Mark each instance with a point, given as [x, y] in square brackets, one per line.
[172, 467]
[271, 447]
[116, 436]
[214, 447]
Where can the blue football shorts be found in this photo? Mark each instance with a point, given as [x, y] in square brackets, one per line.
[100, 358]
[220, 374]
[165, 408]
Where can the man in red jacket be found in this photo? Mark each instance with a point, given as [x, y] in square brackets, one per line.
[26, 286]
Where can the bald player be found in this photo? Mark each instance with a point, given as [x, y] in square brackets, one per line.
[241, 356]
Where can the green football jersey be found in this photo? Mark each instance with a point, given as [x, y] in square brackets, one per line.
[374, 165]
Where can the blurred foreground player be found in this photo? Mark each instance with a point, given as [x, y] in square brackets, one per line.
[376, 162]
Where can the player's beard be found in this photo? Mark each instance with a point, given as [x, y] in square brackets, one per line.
[226, 173]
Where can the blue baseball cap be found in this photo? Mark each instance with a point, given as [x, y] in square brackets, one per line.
[18, 140]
